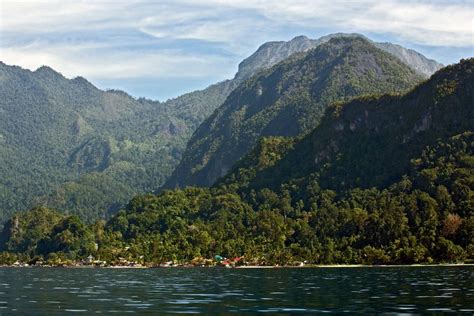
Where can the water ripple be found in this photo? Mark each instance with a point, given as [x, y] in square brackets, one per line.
[395, 290]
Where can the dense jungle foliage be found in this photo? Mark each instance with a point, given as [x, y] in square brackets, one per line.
[420, 209]
[66, 144]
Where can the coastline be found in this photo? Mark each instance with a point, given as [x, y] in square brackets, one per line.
[309, 266]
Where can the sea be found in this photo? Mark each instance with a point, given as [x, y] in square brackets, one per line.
[415, 290]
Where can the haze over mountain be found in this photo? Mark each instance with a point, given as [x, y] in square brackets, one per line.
[71, 146]
[272, 52]
[288, 100]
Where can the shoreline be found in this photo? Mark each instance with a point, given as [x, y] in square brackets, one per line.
[343, 266]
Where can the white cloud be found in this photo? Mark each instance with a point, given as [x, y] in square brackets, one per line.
[76, 61]
[212, 31]
[424, 22]
[133, 38]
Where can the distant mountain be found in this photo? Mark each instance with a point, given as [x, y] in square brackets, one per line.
[55, 131]
[271, 53]
[412, 58]
[196, 106]
[288, 100]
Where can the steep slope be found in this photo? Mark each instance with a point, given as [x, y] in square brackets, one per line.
[412, 58]
[196, 106]
[271, 53]
[370, 141]
[288, 100]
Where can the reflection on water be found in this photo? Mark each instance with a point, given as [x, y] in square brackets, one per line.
[401, 290]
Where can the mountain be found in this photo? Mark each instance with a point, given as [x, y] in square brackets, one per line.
[70, 146]
[288, 100]
[196, 106]
[271, 53]
[370, 141]
[55, 131]
[74, 147]
[382, 180]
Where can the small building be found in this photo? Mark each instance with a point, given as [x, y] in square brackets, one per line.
[90, 259]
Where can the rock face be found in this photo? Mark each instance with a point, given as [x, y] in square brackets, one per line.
[288, 100]
[271, 53]
[415, 60]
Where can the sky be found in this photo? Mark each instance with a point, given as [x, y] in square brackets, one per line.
[161, 49]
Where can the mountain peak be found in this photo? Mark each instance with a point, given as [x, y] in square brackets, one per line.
[300, 38]
[270, 53]
[83, 82]
[47, 71]
[45, 68]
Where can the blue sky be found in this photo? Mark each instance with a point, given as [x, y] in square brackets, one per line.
[161, 49]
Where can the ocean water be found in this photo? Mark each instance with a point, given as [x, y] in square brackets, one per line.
[368, 290]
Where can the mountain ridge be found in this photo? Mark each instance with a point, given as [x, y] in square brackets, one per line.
[288, 100]
[361, 126]
[410, 57]
[98, 147]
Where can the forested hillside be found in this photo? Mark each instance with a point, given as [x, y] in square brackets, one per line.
[369, 141]
[416, 206]
[68, 145]
[288, 100]
[59, 135]
[71, 146]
